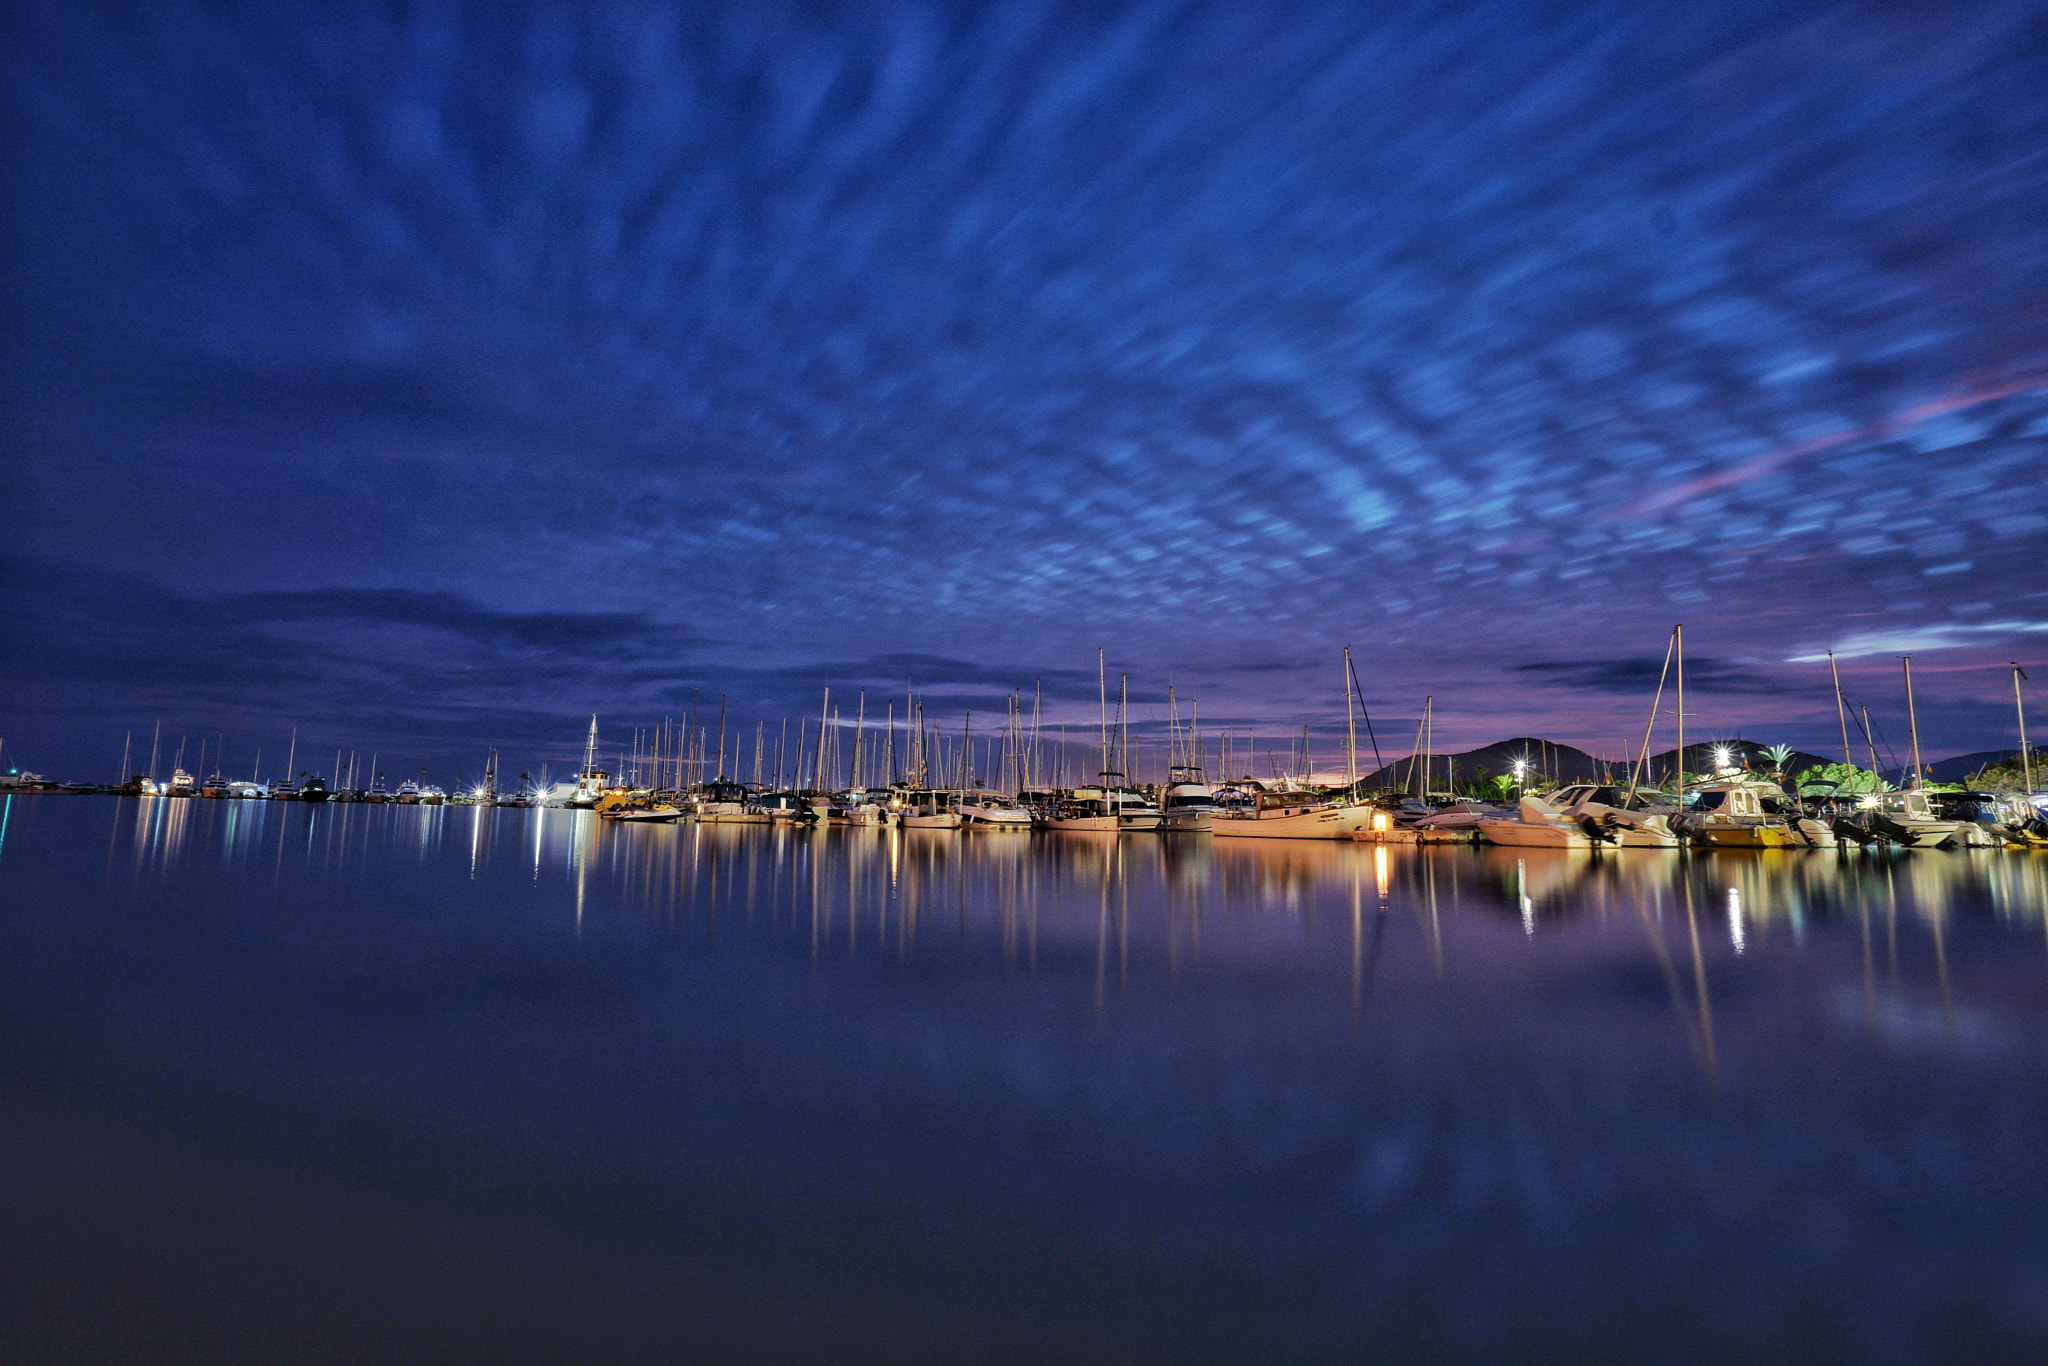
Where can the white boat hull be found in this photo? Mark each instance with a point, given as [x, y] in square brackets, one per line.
[1085, 824]
[1533, 835]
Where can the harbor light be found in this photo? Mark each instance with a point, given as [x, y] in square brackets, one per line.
[1723, 757]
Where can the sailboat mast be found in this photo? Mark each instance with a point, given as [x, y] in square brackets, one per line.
[1870, 739]
[2026, 761]
[1678, 644]
[1841, 714]
[1912, 723]
[1350, 732]
[1123, 725]
[1102, 699]
[860, 721]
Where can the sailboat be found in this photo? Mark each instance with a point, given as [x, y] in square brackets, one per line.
[1090, 810]
[1908, 817]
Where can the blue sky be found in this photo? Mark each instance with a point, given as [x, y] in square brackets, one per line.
[429, 377]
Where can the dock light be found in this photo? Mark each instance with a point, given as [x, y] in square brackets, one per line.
[1521, 766]
[1723, 757]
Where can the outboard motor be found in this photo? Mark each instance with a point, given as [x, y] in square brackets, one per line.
[1846, 829]
[1595, 831]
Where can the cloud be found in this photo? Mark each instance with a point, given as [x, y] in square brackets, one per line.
[1639, 674]
[1907, 640]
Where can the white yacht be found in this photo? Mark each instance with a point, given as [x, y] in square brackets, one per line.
[1631, 822]
[1187, 806]
[982, 810]
[1908, 818]
[1534, 824]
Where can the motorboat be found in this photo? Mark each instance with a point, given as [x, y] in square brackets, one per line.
[858, 806]
[1085, 809]
[1626, 819]
[983, 810]
[1908, 818]
[215, 787]
[408, 794]
[1740, 811]
[931, 809]
[284, 790]
[1535, 824]
[1256, 812]
[726, 803]
[182, 784]
[1187, 806]
[785, 808]
[636, 807]
[432, 796]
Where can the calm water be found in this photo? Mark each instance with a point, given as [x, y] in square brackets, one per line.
[343, 1083]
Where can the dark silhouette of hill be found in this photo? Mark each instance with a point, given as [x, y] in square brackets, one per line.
[1567, 763]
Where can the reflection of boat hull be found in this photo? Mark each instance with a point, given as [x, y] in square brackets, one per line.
[1745, 836]
[1187, 820]
[1317, 823]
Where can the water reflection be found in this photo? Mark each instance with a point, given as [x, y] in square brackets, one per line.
[1127, 906]
[1361, 1065]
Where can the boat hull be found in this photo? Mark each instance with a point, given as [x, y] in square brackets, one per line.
[1533, 835]
[1089, 825]
[944, 820]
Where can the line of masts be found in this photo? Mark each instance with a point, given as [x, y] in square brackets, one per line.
[680, 753]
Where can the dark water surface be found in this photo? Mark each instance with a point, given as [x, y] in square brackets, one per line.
[374, 1083]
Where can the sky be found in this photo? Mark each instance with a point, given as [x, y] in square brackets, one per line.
[430, 377]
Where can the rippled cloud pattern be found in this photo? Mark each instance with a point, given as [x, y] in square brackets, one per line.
[1479, 337]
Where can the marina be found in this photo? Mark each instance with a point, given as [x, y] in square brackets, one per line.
[1726, 794]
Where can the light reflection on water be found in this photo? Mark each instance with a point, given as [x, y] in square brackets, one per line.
[881, 889]
[1472, 1084]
